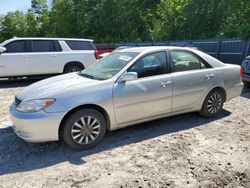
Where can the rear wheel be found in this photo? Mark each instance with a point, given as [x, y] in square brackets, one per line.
[72, 68]
[212, 104]
[84, 129]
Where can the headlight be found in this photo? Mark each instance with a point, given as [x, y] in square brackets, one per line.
[34, 105]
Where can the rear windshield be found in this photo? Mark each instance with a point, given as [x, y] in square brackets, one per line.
[80, 45]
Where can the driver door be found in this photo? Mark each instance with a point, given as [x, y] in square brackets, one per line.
[148, 96]
[15, 61]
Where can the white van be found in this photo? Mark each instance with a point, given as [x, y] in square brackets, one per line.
[42, 56]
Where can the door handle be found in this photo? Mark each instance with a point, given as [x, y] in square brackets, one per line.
[209, 76]
[25, 56]
[54, 55]
[166, 83]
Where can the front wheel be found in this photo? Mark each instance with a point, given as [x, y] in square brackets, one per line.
[84, 129]
[212, 104]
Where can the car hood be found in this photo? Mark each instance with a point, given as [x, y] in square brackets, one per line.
[51, 87]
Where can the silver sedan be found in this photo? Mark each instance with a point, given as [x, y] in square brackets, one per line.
[127, 87]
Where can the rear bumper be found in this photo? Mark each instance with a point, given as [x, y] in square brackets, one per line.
[36, 127]
[234, 91]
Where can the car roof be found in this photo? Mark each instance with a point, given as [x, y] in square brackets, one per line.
[143, 50]
[152, 48]
[50, 38]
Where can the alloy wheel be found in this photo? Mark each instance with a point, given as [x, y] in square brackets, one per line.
[214, 103]
[85, 130]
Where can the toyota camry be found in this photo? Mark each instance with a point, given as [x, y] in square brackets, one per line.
[127, 87]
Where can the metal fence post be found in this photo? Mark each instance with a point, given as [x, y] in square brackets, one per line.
[218, 49]
[247, 50]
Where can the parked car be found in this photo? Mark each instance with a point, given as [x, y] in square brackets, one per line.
[39, 56]
[119, 48]
[246, 71]
[127, 87]
[104, 51]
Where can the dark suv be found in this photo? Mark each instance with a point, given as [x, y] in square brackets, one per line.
[246, 71]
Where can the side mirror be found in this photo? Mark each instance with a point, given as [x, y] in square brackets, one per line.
[129, 76]
[2, 49]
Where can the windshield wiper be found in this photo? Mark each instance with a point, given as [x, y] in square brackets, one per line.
[90, 76]
[87, 76]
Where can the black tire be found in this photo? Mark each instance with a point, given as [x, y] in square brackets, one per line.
[210, 107]
[72, 124]
[247, 84]
[72, 68]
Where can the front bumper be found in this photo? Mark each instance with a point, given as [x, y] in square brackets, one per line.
[36, 127]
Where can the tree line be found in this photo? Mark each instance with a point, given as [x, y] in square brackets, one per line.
[108, 21]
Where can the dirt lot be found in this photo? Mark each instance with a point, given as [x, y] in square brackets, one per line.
[181, 151]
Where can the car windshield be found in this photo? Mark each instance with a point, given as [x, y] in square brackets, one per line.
[108, 66]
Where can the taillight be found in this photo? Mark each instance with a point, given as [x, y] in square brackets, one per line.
[96, 54]
[241, 72]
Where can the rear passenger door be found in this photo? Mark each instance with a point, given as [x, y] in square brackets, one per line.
[192, 78]
[45, 58]
[15, 60]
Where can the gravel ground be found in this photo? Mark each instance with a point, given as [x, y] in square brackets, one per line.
[181, 151]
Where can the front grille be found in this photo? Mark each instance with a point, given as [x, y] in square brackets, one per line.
[17, 101]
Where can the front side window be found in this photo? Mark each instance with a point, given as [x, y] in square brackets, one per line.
[43, 46]
[185, 61]
[18, 46]
[109, 66]
[150, 65]
[79, 45]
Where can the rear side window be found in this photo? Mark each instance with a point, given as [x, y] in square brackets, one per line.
[185, 61]
[46, 46]
[80, 45]
[57, 46]
[18, 46]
